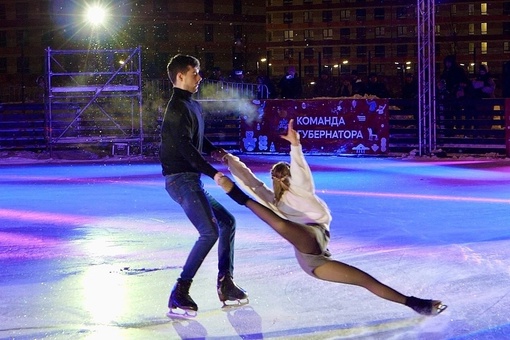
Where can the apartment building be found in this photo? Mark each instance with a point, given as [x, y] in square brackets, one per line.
[381, 36]
[229, 34]
[255, 36]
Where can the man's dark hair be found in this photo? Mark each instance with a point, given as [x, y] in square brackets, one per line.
[180, 63]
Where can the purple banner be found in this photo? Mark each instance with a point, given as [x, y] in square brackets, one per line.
[326, 126]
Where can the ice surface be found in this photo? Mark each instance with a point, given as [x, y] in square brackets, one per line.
[90, 250]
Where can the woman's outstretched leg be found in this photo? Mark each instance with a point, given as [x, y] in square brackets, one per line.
[336, 271]
[299, 236]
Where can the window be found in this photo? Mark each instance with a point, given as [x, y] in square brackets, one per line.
[506, 8]
[471, 9]
[361, 51]
[288, 2]
[327, 33]
[21, 38]
[288, 35]
[209, 32]
[471, 48]
[288, 53]
[327, 52]
[361, 33]
[471, 29]
[361, 69]
[453, 10]
[361, 14]
[238, 32]
[22, 10]
[3, 38]
[437, 30]
[379, 32]
[327, 16]
[345, 33]
[3, 65]
[288, 18]
[401, 31]
[209, 60]
[161, 32]
[401, 12]
[308, 34]
[506, 47]
[307, 16]
[269, 18]
[379, 13]
[483, 28]
[380, 51]
[3, 15]
[23, 65]
[309, 71]
[309, 53]
[307, 2]
[506, 28]
[483, 8]
[484, 47]
[238, 7]
[402, 51]
[208, 7]
[345, 51]
[345, 14]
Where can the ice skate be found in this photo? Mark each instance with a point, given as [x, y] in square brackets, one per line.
[425, 307]
[229, 291]
[180, 303]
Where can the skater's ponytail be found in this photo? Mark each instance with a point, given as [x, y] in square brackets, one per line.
[280, 174]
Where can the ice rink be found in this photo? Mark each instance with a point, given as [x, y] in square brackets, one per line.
[91, 250]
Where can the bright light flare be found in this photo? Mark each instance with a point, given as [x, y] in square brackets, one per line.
[96, 15]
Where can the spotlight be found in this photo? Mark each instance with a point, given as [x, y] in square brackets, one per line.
[96, 15]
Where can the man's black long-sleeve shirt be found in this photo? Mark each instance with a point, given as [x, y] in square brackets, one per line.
[182, 137]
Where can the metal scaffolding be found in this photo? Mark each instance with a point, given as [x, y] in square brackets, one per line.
[94, 96]
[426, 76]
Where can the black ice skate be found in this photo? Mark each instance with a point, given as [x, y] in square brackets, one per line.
[425, 307]
[229, 291]
[180, 303]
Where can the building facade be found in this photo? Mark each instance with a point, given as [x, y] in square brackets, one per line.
[254, 36]
[227, 34]
[381, 36]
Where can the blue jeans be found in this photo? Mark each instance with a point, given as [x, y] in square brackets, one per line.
[212, 221]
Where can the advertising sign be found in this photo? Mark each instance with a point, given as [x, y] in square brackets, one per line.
[326, 126]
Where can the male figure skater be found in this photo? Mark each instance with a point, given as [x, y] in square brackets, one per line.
[182, 144]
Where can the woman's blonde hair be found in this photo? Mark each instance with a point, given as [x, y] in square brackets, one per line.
[280, 174]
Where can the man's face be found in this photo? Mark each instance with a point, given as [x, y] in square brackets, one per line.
[190, 80]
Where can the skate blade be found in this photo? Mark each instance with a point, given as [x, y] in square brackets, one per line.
[440, 308]
[235, 303]
[181, 313]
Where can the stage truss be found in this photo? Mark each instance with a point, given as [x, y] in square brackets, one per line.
[94, 97]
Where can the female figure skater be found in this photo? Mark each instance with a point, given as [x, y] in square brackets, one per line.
[294, 211]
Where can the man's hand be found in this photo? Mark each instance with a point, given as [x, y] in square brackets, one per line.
[292, 135]
[224, 182]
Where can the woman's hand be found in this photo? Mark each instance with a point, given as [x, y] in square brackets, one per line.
[219, 155]
[292, 135]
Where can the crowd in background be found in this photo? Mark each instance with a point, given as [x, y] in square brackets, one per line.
[453, 82]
